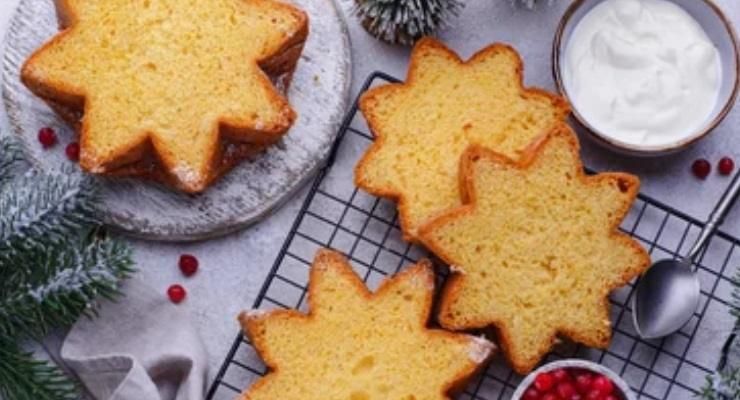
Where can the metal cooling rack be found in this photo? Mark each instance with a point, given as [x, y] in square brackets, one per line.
[337, 215]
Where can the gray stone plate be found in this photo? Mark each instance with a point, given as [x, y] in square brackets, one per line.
[147, 210]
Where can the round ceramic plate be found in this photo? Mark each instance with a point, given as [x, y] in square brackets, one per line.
[319, 93]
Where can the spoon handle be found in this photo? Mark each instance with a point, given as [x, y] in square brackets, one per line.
[716, 217]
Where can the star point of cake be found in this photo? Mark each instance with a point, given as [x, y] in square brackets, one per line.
[168, 81]
[355, 344]
[424, 125]
[536, 248]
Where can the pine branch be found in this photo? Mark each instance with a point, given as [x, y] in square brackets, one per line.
[722, 386]
[24, 378]
[58, 283]
[725, 384]
[10, 157]
[52, 269]
[43, 210]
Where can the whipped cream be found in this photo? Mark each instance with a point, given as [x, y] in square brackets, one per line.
[642, 72]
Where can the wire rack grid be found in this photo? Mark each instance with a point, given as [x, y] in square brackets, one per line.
[338, 215]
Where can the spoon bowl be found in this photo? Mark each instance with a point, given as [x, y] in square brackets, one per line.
[665, 299]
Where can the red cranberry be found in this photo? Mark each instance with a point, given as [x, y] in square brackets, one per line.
[531, 394]
[549, 396]
[725, 166]
[560, 375]
[566, 390]
[544, 382]
[73, 151]
[603, 385]
[188, 265]
[583, 382]
[176, 293]
[701, 168]
[610, 397]
[47, 137]
[594, 395]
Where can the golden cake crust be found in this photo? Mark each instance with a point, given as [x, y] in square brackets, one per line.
[409, 293]
[378, 122]
[635, 259]
[143, 162]
[147, 158]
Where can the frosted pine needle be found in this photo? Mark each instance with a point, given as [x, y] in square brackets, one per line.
[54, 265]
[405, 21]
[10, 157]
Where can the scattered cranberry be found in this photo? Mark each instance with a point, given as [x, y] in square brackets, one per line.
[603, 385]
[583, 382]
[188, 265]
[725, 166]
[611, 397]
[544, 382]
[176, 293]
[47, 137]
[73, 151]
[531, 394]
[560, 375]
[701, 168]
[549, 396]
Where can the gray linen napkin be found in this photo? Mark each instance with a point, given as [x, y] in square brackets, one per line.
[141, 347]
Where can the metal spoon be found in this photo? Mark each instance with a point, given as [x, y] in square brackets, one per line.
[667, 295]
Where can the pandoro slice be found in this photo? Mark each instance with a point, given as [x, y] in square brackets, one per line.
[536, 249]
[354, 344]
[424, 125]
[170, 83]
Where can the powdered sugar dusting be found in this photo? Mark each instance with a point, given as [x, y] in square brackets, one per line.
[422, 281]
[186, 174]
[253, 314]
[480, 349]
[456, 269]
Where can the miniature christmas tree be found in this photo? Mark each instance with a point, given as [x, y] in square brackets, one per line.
[54, 264]
[405, 21]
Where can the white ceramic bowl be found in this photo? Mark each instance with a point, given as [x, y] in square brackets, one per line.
[619, 383]
[720, 31]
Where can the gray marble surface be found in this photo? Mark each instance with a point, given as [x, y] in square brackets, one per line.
[234, 267]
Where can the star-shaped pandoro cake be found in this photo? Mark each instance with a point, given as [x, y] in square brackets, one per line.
[182, 85]
[424, 125]
[354, 344]
[536, 249]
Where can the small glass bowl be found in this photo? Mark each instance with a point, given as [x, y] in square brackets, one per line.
[619, 384]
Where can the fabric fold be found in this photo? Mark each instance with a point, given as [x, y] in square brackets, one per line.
[141, 347]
